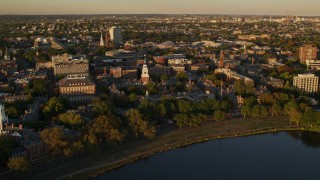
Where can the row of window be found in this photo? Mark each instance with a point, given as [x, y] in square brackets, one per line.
[77, 89]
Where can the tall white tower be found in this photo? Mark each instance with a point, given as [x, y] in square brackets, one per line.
[145, 78]
[7, 56]
[101, 41]
[116, 34]
[3, 117]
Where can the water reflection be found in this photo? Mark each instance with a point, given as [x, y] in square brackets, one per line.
[284, 155]
[310, 139]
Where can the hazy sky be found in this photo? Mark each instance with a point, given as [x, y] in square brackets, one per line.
[294, 7]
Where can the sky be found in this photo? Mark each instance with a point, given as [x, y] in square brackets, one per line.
[259, 7]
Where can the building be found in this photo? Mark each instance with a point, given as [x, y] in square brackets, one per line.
[145, 78]
[55, 44]
[6, 56]
[313, 64]
[307, 52]
[233, 75]
[108, 42]
[101, 41]
[77, 88]
[66, 64]
[116, 72]
[116, 35]
[3, 117]
[123, 54]
[273, 82]
[307, 83]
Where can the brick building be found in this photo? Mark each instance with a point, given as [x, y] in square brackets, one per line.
[77, 88]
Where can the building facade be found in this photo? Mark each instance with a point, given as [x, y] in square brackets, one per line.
[116, 34]
[66, 64]
[307, 83]
[145, 78]
[77, 88]
[307, 52]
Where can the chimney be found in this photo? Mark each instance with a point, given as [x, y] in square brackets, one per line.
[20, 126]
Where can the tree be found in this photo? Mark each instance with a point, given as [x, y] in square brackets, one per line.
[132, 98]
[39, 87]
[19, 164]
[250, 101]
[310, 118]
[255, 111]
[263, 111]
[219, 115]
[102, 106]
[276, 109]
[162, 110]
[245, 111]
[184, 106]
[54, 107]
[292, 110]
[151, 88]
[12, 112]
[71, 119]
[54, 138]
[239, 87]
[266, 98]
[139, 125]
[7, 145]
[181, 120]
[106, 128]
[182, 76]
[164, 77]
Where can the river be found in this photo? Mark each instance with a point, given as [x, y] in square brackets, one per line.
[285, 155]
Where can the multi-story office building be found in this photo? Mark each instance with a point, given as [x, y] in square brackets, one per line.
[116, 34]
[307, 83]
[66, 64]
[77, 88]
[307, 52]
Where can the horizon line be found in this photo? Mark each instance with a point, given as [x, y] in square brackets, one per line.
[89, 14]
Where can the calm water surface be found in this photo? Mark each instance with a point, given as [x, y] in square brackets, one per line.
[286, 155]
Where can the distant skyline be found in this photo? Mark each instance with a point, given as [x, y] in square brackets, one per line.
[241, 7]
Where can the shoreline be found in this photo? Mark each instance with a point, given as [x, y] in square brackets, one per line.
[126, 161]
[170, 140]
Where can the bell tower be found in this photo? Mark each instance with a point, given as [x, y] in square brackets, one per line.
[101, 41]
[145, 78]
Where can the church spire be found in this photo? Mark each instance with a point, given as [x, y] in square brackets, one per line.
[145, 59]
[145, 78]
[101, 41]
[6, 55]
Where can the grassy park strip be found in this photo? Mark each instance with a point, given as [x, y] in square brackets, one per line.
[92, 166]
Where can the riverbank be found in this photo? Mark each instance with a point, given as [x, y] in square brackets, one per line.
[88, 167]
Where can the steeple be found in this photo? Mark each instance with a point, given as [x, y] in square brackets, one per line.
[7, 56]
[3, 117]
[145, 59]
[245, 51]
[101, 41]
[145, 78]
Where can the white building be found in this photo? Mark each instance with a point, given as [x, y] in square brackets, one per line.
[115, 34]
[3, 117]
[307, 83]
[145, 78]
